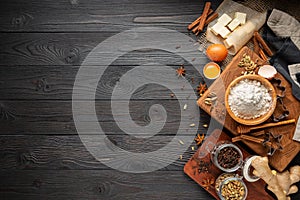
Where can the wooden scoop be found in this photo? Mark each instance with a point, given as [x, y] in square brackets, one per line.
[246, 129]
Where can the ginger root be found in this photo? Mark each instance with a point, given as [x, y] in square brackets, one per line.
[281, 184]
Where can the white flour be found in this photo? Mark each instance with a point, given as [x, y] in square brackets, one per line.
[249, 99]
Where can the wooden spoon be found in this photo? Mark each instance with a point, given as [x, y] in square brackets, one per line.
[246, 129]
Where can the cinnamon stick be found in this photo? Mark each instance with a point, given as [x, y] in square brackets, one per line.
[196, 22]
[211, 18]
[263, 43]
[256, 45]
[236, 139]
[204, 16]
[208, 20]
[252, 139]
[262, 55]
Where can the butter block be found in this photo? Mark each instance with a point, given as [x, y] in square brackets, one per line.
[228, 43]
[224, 19]
[234, 24]
[217, 28]
[224, 32]
[241, 17]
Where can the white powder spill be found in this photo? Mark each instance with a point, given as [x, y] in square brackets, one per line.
[249, 99]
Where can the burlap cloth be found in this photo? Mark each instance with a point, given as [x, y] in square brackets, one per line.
[250, 7]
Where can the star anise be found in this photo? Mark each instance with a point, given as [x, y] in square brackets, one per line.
[180, 71]
[206, 183]
[199, 139]
[203, 166]
[201, 88]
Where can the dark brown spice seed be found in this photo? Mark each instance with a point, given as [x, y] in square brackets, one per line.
[228, 157]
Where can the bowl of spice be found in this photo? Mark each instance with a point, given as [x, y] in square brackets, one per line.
[231, 187]
[227, 156]
[250, 99]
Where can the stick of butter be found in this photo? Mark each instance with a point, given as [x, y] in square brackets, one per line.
[224, 19]
[219, 28]
[241, 17]
[234, 24]
[216, 29]
[224, 32]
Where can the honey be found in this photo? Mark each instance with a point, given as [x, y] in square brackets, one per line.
[211, 70]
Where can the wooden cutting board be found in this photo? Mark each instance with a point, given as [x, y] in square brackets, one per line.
[280, 159]
[255, 189]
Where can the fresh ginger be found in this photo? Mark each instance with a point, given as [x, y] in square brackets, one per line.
[281, 184]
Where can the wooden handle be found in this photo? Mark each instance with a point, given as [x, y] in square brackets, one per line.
[273, 124]
[246, 129]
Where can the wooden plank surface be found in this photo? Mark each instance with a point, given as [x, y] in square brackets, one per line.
[43, 152]
[105, 16]
[66, 49]
[55, 117]
[98, 184]
[56, 82]
[97, 16]
[43, 44]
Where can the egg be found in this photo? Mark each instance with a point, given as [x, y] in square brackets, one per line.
[267, 71]
[216, 52]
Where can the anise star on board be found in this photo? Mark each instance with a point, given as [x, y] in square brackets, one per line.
[206, 183]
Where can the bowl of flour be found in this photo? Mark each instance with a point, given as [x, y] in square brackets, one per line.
[250, 99]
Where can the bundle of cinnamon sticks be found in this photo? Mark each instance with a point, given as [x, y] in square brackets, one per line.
[208, 15]
[260, 47]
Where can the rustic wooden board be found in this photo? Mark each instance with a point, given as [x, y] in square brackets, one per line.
[254, 189]
[291, 148]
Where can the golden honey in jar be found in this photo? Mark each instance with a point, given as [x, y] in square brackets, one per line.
[211, 70]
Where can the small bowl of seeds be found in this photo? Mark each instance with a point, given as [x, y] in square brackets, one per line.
[227, 156]
[232, 188]
[221, 178]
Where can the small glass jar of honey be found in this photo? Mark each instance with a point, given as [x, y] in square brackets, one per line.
[211, 71]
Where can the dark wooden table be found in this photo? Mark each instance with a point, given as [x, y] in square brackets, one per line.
[43, 44]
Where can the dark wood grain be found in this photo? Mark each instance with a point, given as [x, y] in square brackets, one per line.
[56, 82]
[72, 48]
[55, 117]
[97, 16]
[43, 44]
[106, 16]
[97, 184]
[68, 152]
